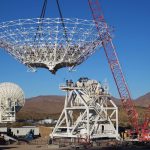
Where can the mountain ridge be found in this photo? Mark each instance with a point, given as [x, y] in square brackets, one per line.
[51, 105]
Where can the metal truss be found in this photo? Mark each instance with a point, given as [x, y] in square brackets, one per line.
[88, 113]
[11, 101]
[114, 64]
[47, 47]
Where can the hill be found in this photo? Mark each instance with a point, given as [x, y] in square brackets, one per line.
[144, 100]
[41, 107]
[46, 104]
[51, 106]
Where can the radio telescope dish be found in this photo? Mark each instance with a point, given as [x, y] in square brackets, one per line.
[46, 46]
[11, 101]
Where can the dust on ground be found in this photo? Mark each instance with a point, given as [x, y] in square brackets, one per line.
[56, 147]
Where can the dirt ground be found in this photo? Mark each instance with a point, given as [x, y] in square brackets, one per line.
[55, 147]
[45, 131]
[28, 147]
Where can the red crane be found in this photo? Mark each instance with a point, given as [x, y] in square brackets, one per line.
[145, 131]
[114, 64]
[147, 119]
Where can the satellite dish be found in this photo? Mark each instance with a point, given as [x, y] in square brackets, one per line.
[12, 99]
[46, 46]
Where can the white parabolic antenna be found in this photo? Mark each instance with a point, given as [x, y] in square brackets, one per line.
[12, 99]
[44, 43]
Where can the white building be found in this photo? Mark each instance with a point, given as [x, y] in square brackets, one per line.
[22, 131]
[46, 121]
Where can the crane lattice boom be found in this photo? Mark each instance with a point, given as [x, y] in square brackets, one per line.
[147, 119]
[114, 64]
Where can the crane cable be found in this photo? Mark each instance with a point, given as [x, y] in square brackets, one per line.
[41, 20]
[43, 9]
[62, 21]
[43, 15]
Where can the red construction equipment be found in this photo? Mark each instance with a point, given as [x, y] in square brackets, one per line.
[145, 131]
[147, 119]
[115, 65]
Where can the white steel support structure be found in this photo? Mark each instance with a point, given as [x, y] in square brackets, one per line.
[88, 112]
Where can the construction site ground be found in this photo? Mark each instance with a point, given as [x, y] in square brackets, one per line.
[55, 147]
[41, 143]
